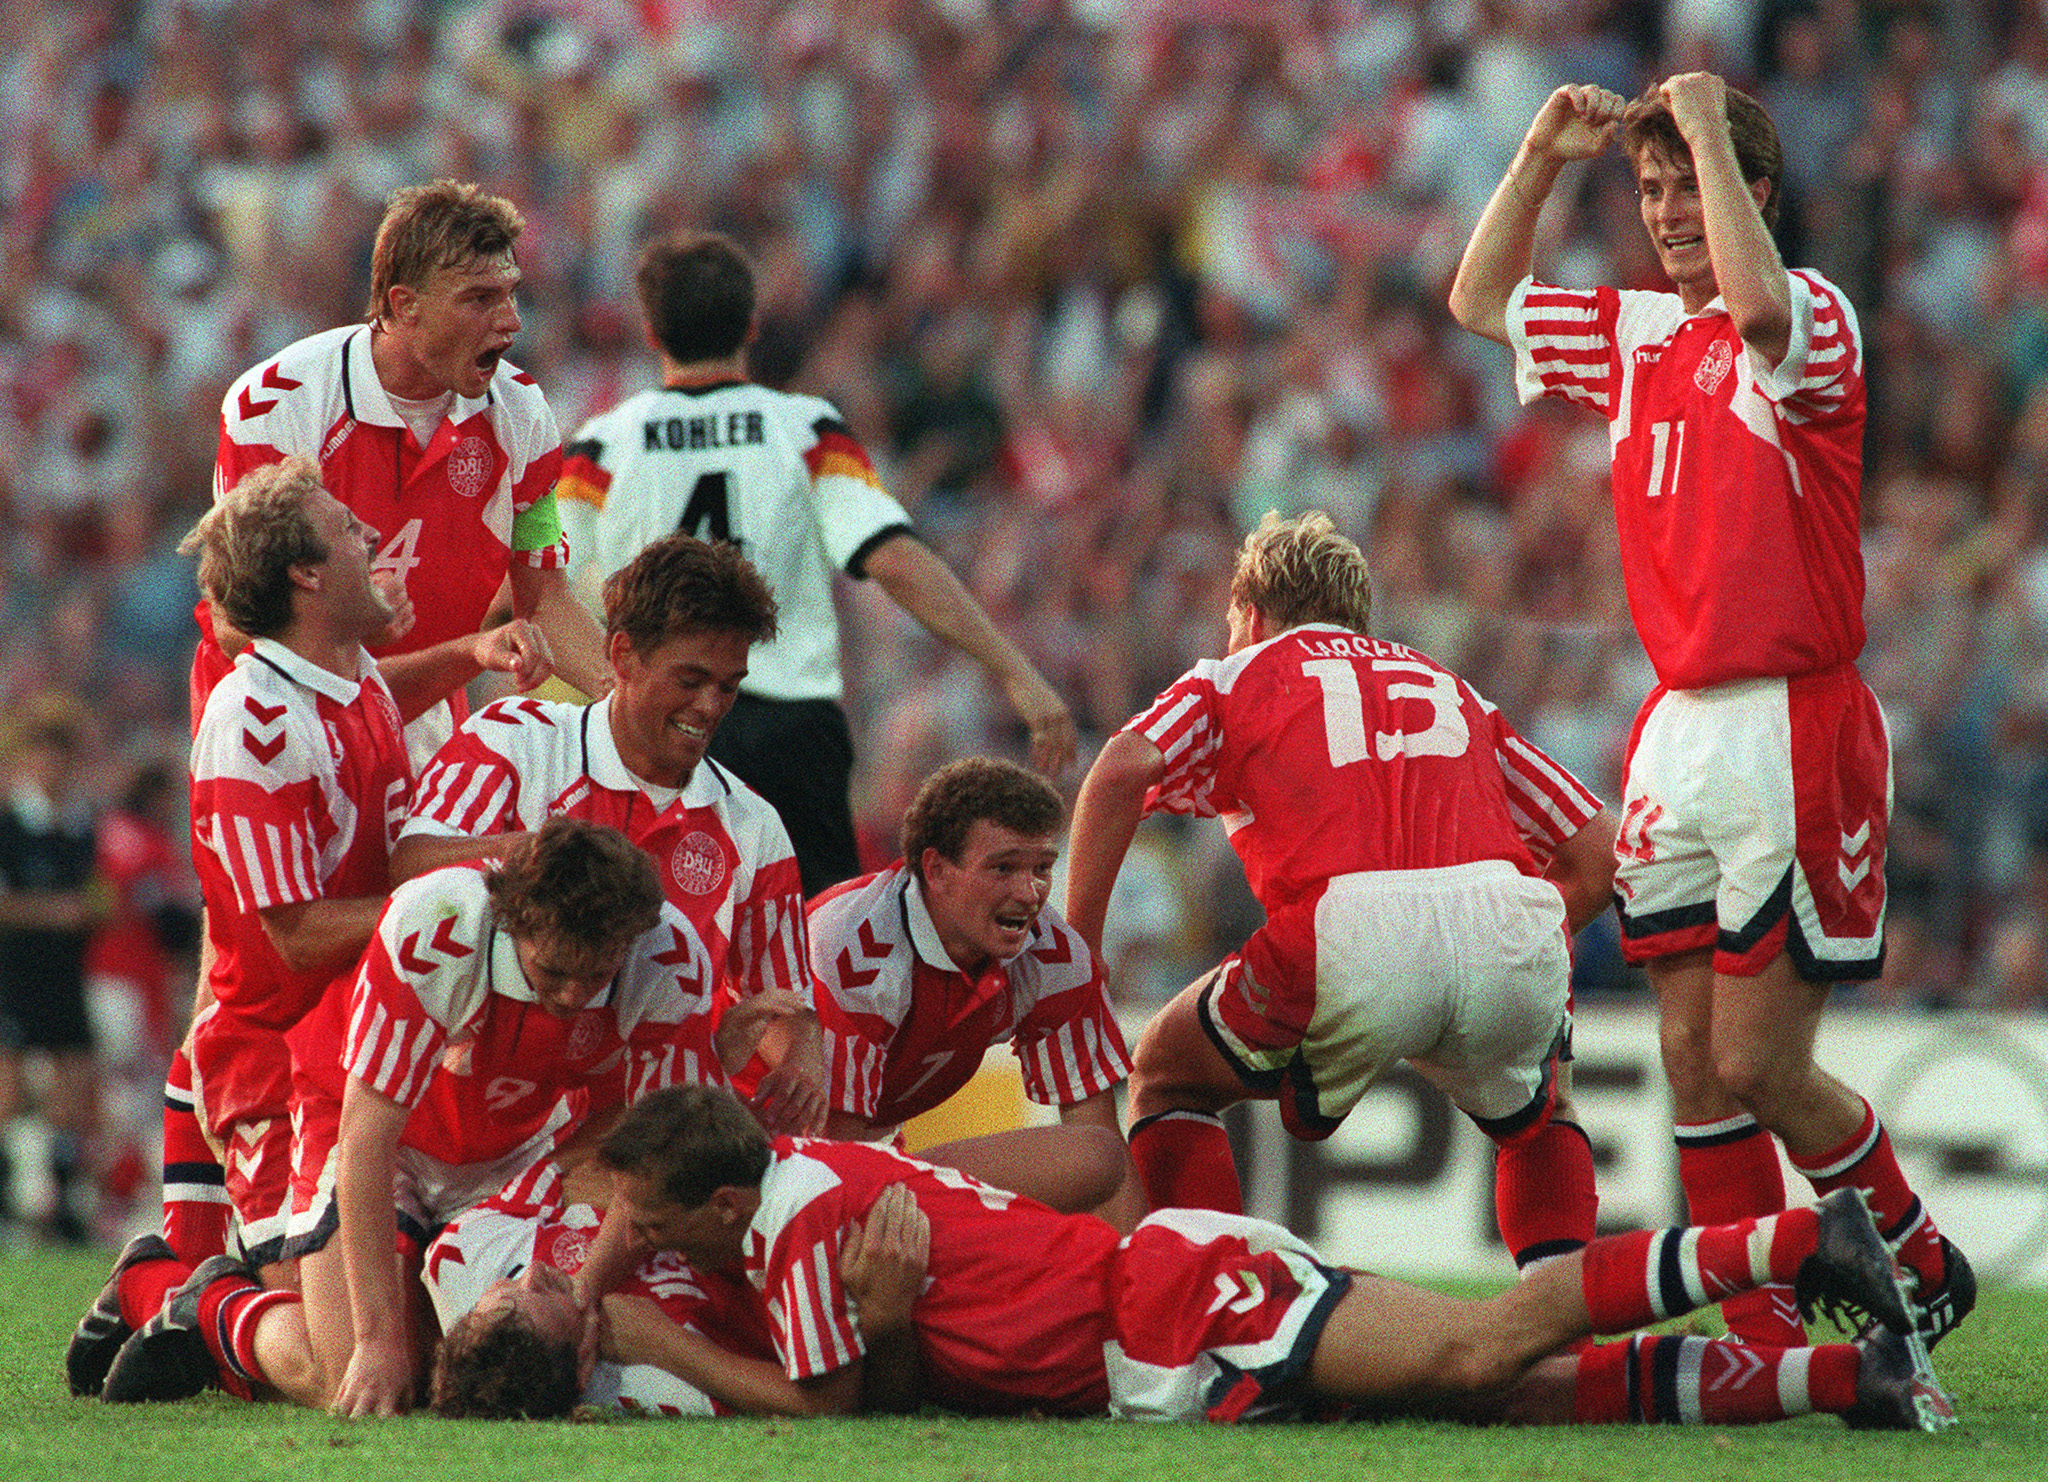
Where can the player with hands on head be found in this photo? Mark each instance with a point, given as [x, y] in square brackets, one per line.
[713, 454]
[1758, 778]
[1419, 864]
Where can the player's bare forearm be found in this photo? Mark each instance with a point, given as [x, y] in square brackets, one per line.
[1583, 869]
[1106, 814]
[1126, 1206]
[926, 588]
[378, 1379]
[1748, 272]
[415, 854]
[574, 638]
[1575, 122]
[614, 1251]
[637, 1331]
[310, 935]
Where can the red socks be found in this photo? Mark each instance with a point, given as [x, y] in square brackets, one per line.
[1730, 1171]
[1702, 1381]
[196, 1205]
[1866, 1161]
[1183, 1160]
[229, 1310]
[1649, 1275]
[1543, 1194]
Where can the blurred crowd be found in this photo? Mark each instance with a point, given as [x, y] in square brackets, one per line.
[1097, 282]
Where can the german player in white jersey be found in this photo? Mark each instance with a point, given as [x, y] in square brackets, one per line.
[683, 620]
[1758, 787]
[713, 454]
[922, 967]
[1418, 863]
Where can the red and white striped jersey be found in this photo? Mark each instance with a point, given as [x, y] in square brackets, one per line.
[1326, 752]
[724, 858]
[905, 1028]
[528, 1223]
[1737, 486]
[299, 782]
[441, 1019]
[1015, 1307]
[453, 515]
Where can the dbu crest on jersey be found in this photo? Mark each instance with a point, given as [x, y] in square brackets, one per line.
[1714, 367]
[698, 864]
[585, 1035]
[469, 466]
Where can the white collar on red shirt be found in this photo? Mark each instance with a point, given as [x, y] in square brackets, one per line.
[609, 769]
[304, 672]
[372, 403]
[924, 932]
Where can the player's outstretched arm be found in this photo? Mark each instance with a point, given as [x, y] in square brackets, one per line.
[310, 935]
[415, 854]
[1574, 123]
[1748, 272]
[574, 638]
[925, 587]
[1106, 814]
[636, 1331]
[379, 1377]
[422, 679]
[883, 1263]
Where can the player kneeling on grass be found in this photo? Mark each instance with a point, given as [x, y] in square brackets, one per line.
[495, 1015]
[1024, 1309]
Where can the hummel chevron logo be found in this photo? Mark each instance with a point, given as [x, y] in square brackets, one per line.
[264, 751]
[1851, 875]
[872, 949]
[1247, 1290]
[506, 712]
[443, 942]
[275, 380]
[1738, 1364]
[444, 1253]
[266, 714]
[678, 955]
[1057, 949]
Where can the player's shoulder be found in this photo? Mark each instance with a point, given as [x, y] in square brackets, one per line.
[316, 357]
[526, 717]
[517, 389]
[456, 892]
[1056, 955]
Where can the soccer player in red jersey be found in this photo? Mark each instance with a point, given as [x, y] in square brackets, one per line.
[422, 428]
[1758, 790]
[681, 619]
[1418, 862]
[1198, 1314]
[923, 966]
[299, 780]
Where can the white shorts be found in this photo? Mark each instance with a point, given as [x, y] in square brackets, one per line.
[1464, 972]
[1754, 822]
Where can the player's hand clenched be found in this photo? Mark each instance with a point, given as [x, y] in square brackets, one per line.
[519, 649]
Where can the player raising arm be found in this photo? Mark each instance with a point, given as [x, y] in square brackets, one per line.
[1757, 793]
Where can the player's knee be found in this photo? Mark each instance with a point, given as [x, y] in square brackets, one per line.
[1100, 1164]
[1756, 1075]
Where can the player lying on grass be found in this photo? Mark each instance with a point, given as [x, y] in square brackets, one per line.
[1202, 1314]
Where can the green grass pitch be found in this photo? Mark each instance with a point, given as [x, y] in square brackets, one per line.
[1996, 1366]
